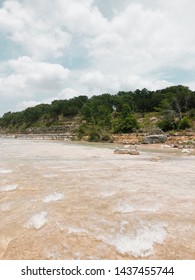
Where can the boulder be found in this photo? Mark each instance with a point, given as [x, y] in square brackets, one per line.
[155, 139]
[126, 151]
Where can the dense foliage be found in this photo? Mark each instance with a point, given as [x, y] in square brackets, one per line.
[174, 108]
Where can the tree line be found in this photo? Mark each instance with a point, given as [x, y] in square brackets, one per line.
[117, 113]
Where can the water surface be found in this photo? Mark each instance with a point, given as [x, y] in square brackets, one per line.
[62, 200]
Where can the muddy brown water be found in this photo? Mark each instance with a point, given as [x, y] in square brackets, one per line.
[63, 200]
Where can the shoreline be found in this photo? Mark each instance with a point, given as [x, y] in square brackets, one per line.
[169, 146]
[125, 139]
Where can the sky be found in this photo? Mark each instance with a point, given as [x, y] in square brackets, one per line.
[58, 49]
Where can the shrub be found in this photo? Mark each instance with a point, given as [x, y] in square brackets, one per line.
[167, 124]
[125, 125]
[184, 123]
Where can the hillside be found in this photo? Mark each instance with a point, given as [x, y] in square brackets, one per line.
[170, 110]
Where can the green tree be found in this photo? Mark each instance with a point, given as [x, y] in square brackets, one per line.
[125, 122]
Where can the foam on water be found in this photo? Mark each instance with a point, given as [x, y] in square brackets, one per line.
[37, 221]
[8, 188]
[76, 230]
[125, 208]
[53, 197]
[53, 253]
[5, 171]
[129, 208]
[123, 226]
[140, 243]
[107, 193]
[50, 175]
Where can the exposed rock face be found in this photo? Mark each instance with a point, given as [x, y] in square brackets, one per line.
[154, 139]
[126, 151]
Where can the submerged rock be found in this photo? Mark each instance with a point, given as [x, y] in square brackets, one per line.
[155, 159]
[126, 151]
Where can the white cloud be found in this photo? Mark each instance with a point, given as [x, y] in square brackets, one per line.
[112, 45]
[142, 39]
[29, 77]
[67, 93]
[25, 104]
[98, 82]
[45, 28]
[36, 33]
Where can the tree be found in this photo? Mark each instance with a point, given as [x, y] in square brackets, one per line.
[125, 122]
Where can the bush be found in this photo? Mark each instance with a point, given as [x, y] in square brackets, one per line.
[94, 136]
[105, 137]
[167, 124]
[125, 125]
[184, 123]
[94, 133]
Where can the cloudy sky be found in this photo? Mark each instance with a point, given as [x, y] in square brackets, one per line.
[57, 49]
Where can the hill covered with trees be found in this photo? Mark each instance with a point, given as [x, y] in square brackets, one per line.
[98, 117]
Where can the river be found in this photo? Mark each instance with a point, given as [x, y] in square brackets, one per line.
[64, 200]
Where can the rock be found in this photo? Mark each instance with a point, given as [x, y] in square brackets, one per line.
[154, 139]
[132, 146]
[155, 159]
[127, 146]
[186, 151]
[166, 146]
[175, 146]
[133, 152]
[126, 151]
[180, 147]
[153, 119]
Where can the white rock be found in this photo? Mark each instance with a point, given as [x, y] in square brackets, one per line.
[186, 151]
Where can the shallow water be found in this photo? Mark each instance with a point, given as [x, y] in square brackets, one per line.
[63, 200]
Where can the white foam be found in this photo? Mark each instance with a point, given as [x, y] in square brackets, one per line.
[52, 253]
[53, 197]
[37, 221]
[108, 193]
[78, 255]
[5, 171]
[75, 230]
[123, 226]
[8, 188]
[129, 208]
[125, 208]
[50, 175]
[149, 208]
[140, 243]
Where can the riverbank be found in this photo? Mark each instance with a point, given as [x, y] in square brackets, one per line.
[182, 140]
